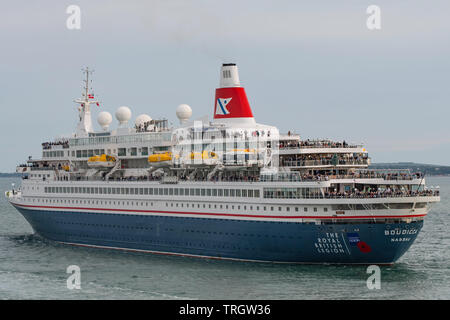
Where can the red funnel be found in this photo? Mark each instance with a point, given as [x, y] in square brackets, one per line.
[232, 103]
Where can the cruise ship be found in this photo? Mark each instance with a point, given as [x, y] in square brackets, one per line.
[220, 188]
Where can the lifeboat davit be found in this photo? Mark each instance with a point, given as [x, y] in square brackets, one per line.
[243, 151]
[204, 158]
[102, 161]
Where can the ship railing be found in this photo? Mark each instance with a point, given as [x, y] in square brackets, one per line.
[304, 163]
[49, 145]
[428, 193]
[42, 168]
[291, 177]
[318, 144]
[372, 195]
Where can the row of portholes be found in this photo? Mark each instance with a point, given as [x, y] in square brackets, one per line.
[175, 205]
[184, 230]
[71, 236]
[299, 224]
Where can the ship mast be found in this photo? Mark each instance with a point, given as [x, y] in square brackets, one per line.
[85, 124]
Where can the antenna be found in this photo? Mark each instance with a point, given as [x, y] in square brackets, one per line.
[87, 98]
[87, 72]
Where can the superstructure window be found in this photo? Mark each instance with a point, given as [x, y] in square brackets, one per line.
[400, 205]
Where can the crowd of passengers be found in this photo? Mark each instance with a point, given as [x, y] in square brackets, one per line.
[363, 175]
[313, 143]
[356, 193]
[216, 178]
[256, 178]
[380, 193]
[144, 127]
[48, 145]
[322, 159]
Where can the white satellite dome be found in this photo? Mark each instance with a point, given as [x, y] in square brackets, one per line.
[123, 115]
[141, 119]
[104, 119]
[184, 112]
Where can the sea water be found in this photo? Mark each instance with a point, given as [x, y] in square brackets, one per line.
[35, 268]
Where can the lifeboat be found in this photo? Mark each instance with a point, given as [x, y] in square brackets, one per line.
[102, 161]
[160, 159]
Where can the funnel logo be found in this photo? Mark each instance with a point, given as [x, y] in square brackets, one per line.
[221, 106]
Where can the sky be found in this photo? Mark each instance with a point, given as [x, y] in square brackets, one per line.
[311, 67]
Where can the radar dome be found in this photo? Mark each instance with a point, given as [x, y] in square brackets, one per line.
[104, 119]
[142, 119]
[184, 112]
[123, 115]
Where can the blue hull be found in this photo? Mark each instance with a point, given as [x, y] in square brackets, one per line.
[365, 243]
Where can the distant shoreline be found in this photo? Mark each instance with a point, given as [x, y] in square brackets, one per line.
[427, 169]
[9, 175]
